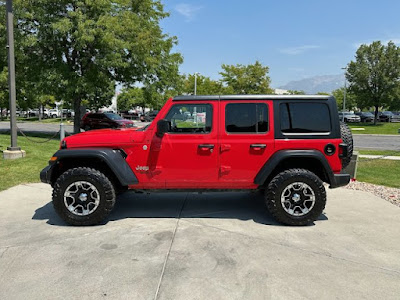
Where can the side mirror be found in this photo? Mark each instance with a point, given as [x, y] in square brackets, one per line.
[162, 127]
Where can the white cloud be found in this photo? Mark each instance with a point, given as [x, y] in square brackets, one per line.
[187, 10]
[298, 49]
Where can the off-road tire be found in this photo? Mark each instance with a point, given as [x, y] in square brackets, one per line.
[99, 180]
[278, 184]
[347, 138]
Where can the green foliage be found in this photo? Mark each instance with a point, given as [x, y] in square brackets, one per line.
[351, 101]
[205, 86]
[3, 90]
[145, 97]
[83, 47]
[247, 79]
[374, 75]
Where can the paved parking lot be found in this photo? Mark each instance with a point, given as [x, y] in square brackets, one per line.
[223, 246]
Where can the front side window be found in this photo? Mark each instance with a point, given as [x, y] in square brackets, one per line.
[190, 118]
[305, 118]
[246, 118]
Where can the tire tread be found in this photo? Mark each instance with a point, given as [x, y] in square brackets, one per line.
[102, 211]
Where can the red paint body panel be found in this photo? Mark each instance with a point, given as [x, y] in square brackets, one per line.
[176, 161]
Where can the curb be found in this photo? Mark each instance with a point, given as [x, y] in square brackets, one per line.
[375, 135]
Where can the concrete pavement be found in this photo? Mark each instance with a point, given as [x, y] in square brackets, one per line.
[224, 246]
[376, 142]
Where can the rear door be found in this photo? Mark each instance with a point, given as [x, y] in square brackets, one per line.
[246, 141]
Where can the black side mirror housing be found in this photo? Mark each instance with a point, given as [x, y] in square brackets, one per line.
[162, 127]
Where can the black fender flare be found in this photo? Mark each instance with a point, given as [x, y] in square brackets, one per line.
[114, 159]
[281, 155]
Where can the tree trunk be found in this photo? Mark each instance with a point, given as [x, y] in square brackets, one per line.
[1, 113]
[376, 114]
[77, 117]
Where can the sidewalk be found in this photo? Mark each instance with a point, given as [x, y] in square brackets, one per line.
[380, 157]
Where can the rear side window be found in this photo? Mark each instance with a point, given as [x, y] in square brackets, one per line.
[305, 118]
[246, 118]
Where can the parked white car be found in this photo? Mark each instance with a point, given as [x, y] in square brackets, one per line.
[54, 113]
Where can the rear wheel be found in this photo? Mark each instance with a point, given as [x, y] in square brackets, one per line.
[295, 197]
[83, 196]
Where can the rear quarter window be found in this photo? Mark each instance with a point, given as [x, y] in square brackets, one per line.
[304, 118]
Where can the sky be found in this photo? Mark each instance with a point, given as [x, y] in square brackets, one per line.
[296, 39]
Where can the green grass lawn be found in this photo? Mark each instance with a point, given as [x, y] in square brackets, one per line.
[380, 171]
[379, 128]
[27, 169]
[379, 152]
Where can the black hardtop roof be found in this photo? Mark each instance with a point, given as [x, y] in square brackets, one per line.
[250, 97]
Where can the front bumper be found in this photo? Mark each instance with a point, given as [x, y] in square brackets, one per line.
[339, 180]
[45, 174]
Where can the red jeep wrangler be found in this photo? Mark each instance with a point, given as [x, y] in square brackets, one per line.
[286, 146]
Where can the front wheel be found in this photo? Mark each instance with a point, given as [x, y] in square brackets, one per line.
[295, 197]
[83, 196]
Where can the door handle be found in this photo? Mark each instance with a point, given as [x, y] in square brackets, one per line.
[208, 146]
[258, 146]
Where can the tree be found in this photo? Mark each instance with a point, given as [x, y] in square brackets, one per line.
[247, 79]
[204, 86]
[3, 91]
[86, 46]
[374, 75]
[4, 102]
[351, 101]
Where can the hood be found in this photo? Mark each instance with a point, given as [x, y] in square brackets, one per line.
[104, 138]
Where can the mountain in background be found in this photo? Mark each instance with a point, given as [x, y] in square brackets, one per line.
[313, 85]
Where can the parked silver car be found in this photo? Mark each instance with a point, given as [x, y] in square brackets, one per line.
[349, 117]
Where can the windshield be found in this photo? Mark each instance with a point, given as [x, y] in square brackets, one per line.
[113, 116]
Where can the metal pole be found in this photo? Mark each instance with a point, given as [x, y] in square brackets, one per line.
[62, 128]
[11, 76]
[195, 83]
[344, 92]
[344, 95]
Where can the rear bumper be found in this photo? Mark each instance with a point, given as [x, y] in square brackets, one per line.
[45, 174]
[339, 180]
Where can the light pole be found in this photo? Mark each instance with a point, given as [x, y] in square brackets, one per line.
[344, 92]
[195, 83]
[13, 151]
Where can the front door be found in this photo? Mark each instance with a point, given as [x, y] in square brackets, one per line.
[246, 141]
[187, 155]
